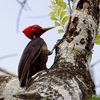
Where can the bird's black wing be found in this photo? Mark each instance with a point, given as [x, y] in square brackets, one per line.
[30, 54]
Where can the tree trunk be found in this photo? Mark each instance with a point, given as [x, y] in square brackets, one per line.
[69, 77]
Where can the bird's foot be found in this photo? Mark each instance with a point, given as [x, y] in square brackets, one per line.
[58, 41]
[49, 52]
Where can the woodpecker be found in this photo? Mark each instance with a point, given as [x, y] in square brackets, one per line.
[35, 54]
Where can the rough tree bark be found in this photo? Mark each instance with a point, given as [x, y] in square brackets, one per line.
[69, 77]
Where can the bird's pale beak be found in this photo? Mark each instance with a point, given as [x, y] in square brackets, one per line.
[48, 28]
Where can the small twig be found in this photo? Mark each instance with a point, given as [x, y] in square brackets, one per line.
[20, 12]
[3, 70]
[98, 61]
[18, 18]
[7, 72]
[37, 17]
[21, 3]
[69, 6]
[7, 56]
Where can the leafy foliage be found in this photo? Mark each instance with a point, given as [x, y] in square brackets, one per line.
[60, 17]
[93, 98]
[97, 39]
[59, 14]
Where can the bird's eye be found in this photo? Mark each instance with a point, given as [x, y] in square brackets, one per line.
[36, 26]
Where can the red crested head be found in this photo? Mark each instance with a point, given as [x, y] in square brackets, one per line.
[35, 31]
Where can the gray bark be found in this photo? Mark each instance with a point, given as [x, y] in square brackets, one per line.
[69, 77]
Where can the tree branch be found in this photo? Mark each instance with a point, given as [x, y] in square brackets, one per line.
[7, 72]
[20, 12]
[7, 56]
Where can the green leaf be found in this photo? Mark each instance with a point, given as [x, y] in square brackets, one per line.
[60, 31]
[51, 13]
[64, 6]
[53, 18]
[50, 6]
[62, 14]
[97, 39]
[93, 98]
[59, 11]
[61, 3]
[52, 2]
[56, 8]
[57, 23]
[65, 19]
